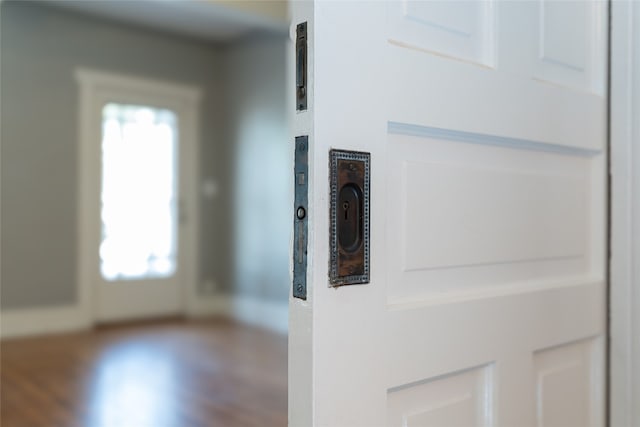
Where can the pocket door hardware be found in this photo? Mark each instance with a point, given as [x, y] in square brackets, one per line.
[301, 66]
[349, 217]
[301, 184]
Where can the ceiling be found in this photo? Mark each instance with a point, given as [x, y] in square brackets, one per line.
[212, 20]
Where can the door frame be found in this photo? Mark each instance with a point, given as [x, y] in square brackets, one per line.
[624, 268]
[184, 100]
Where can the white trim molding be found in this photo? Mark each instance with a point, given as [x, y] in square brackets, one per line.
[23, 322]
[625, 216]
[96, 88]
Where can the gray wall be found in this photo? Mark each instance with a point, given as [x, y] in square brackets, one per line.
[256, 84]
[40, 48]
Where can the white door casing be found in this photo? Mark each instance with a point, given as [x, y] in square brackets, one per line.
[486, 124]
[625, 215]
[101, 300]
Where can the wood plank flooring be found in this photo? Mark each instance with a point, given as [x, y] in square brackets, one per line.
[158, 374]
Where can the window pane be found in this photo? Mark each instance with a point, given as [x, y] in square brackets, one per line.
[139, 192]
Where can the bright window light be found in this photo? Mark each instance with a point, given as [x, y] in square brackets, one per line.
[139, 193]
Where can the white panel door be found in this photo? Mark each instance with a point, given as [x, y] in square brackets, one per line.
[486, 124]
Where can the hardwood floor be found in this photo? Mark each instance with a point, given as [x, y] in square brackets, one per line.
[161, 374]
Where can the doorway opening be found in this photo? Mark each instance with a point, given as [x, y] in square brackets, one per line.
[138, 209]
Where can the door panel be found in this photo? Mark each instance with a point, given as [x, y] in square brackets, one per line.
[507, 215]
[463, 30]
[566, 390]
[458, 399]
[486, 125]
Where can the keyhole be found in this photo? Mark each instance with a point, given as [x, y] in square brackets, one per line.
[349, 222]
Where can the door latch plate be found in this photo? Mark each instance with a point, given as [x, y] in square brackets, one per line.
[300, 217]
[349, 217]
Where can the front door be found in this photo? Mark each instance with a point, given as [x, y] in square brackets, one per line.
[138, 202]
[139, 254]
[486, 127]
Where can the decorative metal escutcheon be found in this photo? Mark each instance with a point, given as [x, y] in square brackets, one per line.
[349, 217]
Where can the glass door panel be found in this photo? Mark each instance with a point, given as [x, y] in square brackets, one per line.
[139, 200]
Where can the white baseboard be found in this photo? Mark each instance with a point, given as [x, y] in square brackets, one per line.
[40, 321]
[51, 320]
[266, 314]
